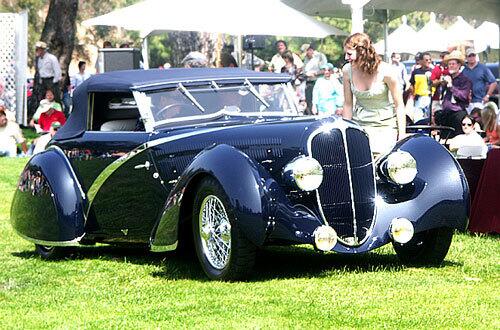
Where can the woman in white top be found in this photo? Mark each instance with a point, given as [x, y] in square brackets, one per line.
[470, 143]
[378, 106]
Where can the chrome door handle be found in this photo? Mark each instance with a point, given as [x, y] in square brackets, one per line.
[146, 165]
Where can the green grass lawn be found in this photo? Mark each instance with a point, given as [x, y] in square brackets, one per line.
[106, 287]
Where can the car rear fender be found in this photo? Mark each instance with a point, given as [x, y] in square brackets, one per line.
[49, 203]
[243, 182]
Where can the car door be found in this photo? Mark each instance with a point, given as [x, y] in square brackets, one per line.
[124, 190]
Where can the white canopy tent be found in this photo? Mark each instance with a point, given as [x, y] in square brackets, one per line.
[432, 37]
[487, 35]
[234, 17]
[460, 31]
[401, 40]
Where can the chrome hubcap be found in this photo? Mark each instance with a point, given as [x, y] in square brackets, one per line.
[215, 232]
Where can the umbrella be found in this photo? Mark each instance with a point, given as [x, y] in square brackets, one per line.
[401, 40]
[234, 17]
[486, 10]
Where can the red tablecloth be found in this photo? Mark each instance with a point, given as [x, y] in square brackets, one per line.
[485, 211]
[472, 169]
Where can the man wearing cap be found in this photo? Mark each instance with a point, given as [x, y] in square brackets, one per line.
[313, 61]
[457, 88]
[49, 70]
[483, 81]
[10, 135]
[42, 141]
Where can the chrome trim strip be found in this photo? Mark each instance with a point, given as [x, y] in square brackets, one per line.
[111, 168]
[353, 204]
[74, 242]
[163, 248]
[278, 80]
[108, 171]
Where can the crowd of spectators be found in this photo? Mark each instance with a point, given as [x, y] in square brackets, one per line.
[450, 92]
[48, 106]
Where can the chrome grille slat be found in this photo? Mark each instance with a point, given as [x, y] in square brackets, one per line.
[347, 194]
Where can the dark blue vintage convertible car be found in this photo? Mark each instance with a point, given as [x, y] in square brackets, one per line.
[219, 159]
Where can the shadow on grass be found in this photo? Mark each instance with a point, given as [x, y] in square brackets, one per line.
[271, 263]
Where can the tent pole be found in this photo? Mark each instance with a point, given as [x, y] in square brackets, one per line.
[239, 41]
[145, 52]
[356, 14]
[386, 34]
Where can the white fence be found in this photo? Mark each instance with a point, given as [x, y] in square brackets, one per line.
[14, 62]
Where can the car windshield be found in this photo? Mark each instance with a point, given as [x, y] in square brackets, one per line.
[246, 99]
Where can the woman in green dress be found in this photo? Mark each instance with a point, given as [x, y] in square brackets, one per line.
[371, 94]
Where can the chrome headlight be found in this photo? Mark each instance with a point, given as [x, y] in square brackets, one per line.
[305, 172]
[401, 167]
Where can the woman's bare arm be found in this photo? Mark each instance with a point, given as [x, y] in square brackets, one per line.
[347, 109]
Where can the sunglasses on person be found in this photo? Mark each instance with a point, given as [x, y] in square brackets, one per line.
[466, 124]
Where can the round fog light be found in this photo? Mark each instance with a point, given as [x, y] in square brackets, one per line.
[325, 238]
[401, 230]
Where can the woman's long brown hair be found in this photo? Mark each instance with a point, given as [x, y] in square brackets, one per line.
[367, 58]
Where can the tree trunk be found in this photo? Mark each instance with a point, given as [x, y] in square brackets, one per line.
[181, 44]
[60, 29]
[59, 33]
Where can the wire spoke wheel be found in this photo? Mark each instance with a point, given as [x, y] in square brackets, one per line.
[215, 232]
[225, 254]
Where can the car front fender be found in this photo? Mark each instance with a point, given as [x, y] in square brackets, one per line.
[49, 203]
[440, 194]
[243, 181]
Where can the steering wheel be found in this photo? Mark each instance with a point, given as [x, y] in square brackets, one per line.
[174, 110]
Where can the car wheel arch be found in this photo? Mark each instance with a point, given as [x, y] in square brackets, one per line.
[213, 162]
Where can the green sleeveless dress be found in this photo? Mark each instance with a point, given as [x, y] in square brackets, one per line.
[374, 111]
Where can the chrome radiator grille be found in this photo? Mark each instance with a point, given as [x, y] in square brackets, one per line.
[347, 194]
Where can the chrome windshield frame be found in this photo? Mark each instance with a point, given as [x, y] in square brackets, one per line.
[144, 106]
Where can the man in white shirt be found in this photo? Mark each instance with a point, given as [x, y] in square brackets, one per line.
[48, 69]
[81, 76]
[313, 61]
[277, 62]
